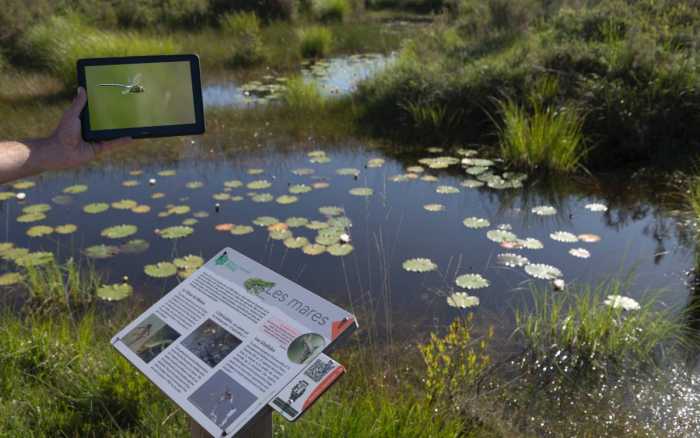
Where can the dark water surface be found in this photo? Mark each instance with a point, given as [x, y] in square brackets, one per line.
[388, 227]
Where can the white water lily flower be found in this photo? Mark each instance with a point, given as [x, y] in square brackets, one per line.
[462, 300]
[621, 302]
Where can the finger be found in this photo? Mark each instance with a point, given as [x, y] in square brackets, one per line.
[105, 146]
[78, 103]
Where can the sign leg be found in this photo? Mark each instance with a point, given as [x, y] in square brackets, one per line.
[260, 428]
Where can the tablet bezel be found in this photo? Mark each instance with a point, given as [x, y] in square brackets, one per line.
[145, 131]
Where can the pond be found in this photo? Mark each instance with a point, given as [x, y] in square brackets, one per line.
[369, 210]
[334, 76]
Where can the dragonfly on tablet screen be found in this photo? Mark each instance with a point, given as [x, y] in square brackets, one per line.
[134, 86]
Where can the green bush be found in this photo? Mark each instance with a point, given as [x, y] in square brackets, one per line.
[330, 10]
[149, 13]
[245, 28]
[57, 43]
[268, 10]
[315, 41]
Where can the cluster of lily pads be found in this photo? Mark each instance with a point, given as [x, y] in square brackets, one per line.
[482, 173]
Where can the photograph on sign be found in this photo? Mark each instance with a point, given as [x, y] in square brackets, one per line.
[230, 338]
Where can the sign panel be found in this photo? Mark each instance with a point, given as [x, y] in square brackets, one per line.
[229, 338]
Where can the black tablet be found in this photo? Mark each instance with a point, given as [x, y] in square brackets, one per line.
[141, 96]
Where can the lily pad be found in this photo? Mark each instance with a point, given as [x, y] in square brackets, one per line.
[434, 207]
[254, 171]
[589, 238]
[31, 217]
[66, 229]
[35, 259]
[259, 184]
[167, 172]
[194, 185]
[265, 221]
[130, 183]
[317, 225]
[299, 188]
[262, 197]
[320, 185]
[119, 231]
[101, 251]
[447, 190]
[114, 292]
[134, 246]
[36, 208]
[10, 278]
[361, 191]
[375, 162]
[176, 232]
[160, 270]
[189, 261]
[223, 227]
[313, 249]
[512, 260]
[476, 222]
[286, 199]
[499, 236]
[339, 249]
[331, 211]
[14, 253]
[233, 184]
[296, 242]
[544, 210]
[303, 171]
[179, 209]
[597, 207]
[39, 230]
[542, 271]
[240, 230]
[415, 169]
[4, 196]
[200, 214]
[429, 178]
[581, 253]
[530, 243]
[221, 196]
[124, 204]
[477, 162]
[278, 227]
[184, 273]
[23, 185]
[280, 234]
[471, 281]
[462, 300]
[563, 236]
[295, 222]
[419, 265]
[75, 189]
[141, 209]
[97, 207]
[157, 195]
[348, 171]
[476, 170]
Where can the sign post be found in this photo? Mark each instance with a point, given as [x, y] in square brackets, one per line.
[234, 340]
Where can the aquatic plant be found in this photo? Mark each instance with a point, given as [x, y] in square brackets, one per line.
[594, 336]
[299, 188]
[248, 48]
[512, 260]
[362, 191]
[295, 222]
[259, 184]
[476, 222]
[499, 236]
[160, 270]
[39, 230]
[330, 10]
[31, 217]
[36, 208]
[588, 238]
[446, 190]
[313, 249]
[581, 253]
[331, 210]
[596, 207]
[471, 281]
[315, 41]
[134, 246]
[54, 287]
[339, 249]
[10, 278]
[542, 271]
[119, 231]
[563, 236]
[176, 232]
[240, 230]
[544, 210]
[66, 229]
[114, 292]
[462, 300]
[419, 265]
[434, 207]
[304, 97]
[286, 199]
[296, 242]
[124, 204]
[101, 251]
[23, 185]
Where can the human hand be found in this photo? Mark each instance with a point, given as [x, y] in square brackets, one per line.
[66, 147]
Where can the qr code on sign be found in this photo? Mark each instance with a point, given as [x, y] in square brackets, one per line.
[319, 369]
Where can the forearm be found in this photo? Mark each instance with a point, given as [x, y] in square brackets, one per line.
[20, 159]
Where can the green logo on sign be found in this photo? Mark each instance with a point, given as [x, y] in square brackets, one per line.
[223, 258]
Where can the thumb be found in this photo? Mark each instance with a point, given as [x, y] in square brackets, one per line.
[78, 103]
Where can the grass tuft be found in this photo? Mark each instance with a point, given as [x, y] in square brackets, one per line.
[248, 46]
[330, 10]
[302, 96]
[315, 42]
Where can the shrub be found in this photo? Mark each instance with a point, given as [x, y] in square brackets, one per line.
[148, 13]
[268, 10]
[302, 96]
[330, 10]
[245, 28]
[315, 41]
[57, 43]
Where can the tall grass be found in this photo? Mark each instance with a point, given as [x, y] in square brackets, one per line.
[577, 325]
[315, 41]
[330, 10]
[248, 46]
[692, 195]
[303, 97]
[58, 42]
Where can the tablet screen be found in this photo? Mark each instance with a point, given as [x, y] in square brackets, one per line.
[122, 96]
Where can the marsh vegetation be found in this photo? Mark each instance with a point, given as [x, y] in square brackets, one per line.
[493, 187]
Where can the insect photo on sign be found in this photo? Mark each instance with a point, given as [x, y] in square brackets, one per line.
[132, 87]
